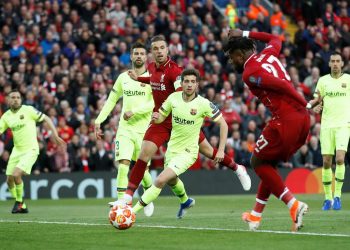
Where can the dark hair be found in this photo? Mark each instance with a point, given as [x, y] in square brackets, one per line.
[239, 43]
[158, 38]
[14, 90]
[336, 53]
[138, 45]
[190, 72]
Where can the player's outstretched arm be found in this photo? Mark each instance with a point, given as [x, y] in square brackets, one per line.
[223, 137]
[58, 140]
[274, 41]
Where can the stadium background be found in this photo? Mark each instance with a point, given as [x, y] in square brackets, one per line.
[64, 56]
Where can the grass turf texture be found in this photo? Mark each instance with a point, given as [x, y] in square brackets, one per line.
[214, 223]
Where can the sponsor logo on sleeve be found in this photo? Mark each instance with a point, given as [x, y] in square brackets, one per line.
[256, 80]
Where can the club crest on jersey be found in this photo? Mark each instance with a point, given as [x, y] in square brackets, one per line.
[193, 111]
[343, 85]
[142, 84]
[21, 117]
[255, 80]
[162, 78]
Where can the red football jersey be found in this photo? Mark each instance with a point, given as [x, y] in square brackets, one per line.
[268, 79]
[162, 80]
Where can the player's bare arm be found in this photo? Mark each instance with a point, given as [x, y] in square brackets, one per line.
[223, 137]
[316, 102]
[235, 33]
[58, 140]
[98, 131]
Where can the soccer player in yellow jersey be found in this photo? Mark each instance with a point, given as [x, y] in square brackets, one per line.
[188, 112]
[135, 118]
[22, 119]
[333, 91]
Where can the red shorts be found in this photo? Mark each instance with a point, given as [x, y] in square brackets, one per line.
[159, 134]
[281, 138]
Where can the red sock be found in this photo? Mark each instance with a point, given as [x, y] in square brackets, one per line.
[262, 197]
[271, 178]
[227, 161]
[136, 176]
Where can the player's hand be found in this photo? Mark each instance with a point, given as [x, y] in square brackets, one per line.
[132, 74]
[98, 132]
[155, 116]
[59, 141]
[219, 156]
[318, 108]
[127, 115]
[235, 33]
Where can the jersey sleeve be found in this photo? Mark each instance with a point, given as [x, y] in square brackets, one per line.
[37, 115]
[3, 125]
[268, 82]
[166, 107]
[175, 77]
[319, 88]
[112, 99]
[211, 110]
[274, 44]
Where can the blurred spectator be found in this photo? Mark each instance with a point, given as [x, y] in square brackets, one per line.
[254, 9]
[303, 158]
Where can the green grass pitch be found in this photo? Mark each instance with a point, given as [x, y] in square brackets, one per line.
[214, 223]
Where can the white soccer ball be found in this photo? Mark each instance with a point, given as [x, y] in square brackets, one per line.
[121, 217]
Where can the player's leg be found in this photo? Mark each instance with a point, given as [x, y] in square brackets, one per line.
[122, 177]
[254, 217]
[20, 206]
[20, 164]
[11, 186]
[339, 178]
[124, 149]
[148, 149]
[156, 135]
[206, 149]
[327, 139]
[342, 140]
[153, 192]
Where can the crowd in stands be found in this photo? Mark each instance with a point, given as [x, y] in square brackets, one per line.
[64, 56]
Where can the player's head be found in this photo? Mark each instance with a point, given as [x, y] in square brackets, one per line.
[159, 49]
[238, 49]
[15, 99]
[189, 81]
[336, 63]
[138, 55]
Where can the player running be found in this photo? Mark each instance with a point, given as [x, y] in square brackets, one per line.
[164, 80]
[134, 120]
[22, 119]
[286, 131]
[333, 91]
[188, 111]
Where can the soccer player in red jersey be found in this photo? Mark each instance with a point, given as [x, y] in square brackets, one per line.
[287, 130]
[164, 79]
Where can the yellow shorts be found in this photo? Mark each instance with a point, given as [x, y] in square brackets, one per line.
[179, 162]
[23, 160]
[333, 139]
[128, 145]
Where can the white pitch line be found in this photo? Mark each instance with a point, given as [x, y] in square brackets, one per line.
[176, 227]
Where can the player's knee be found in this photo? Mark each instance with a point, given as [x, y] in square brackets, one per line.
[160, 182]
[339, 160]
